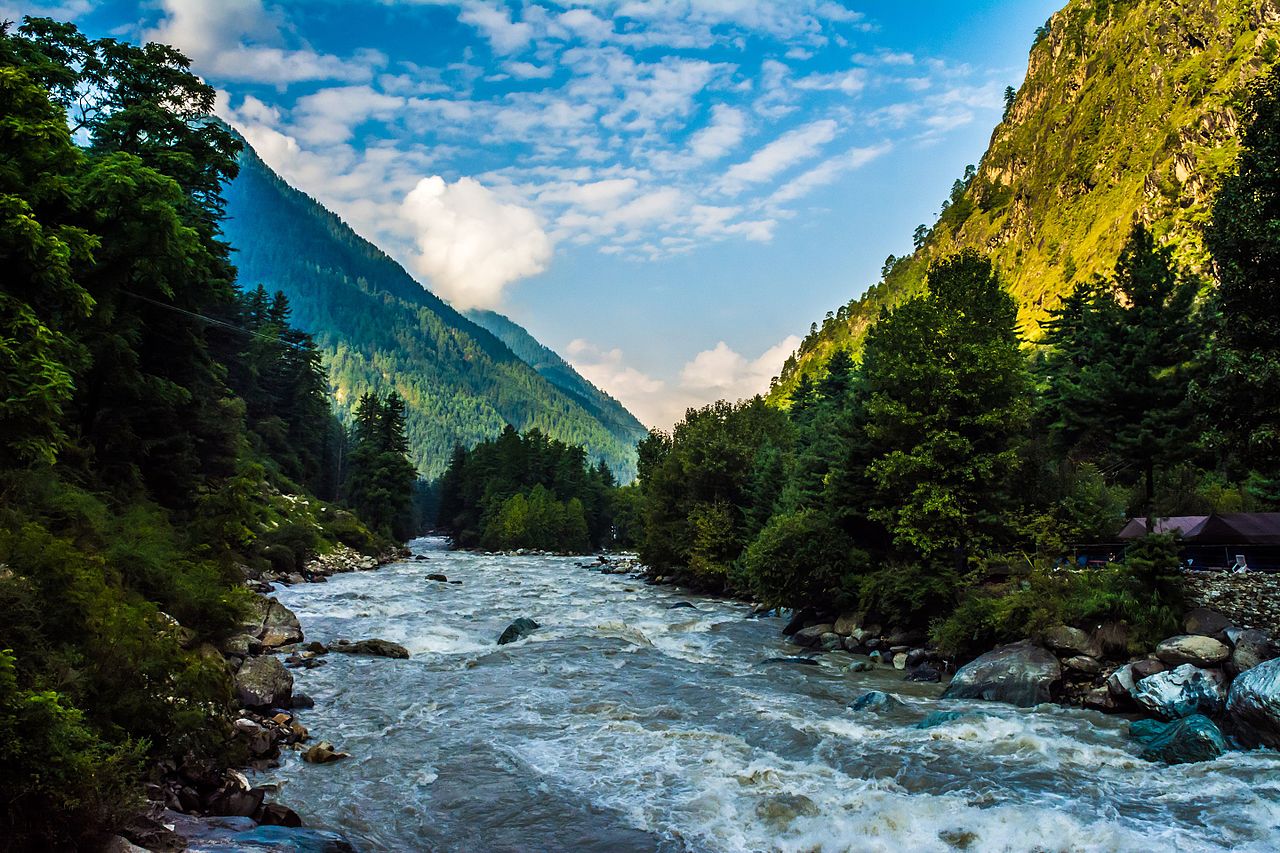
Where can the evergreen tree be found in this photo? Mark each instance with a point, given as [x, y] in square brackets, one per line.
[381, 477]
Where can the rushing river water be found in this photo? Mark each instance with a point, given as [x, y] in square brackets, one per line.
[625, 725]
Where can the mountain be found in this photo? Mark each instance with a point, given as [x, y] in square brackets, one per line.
[1127, 113]
[561, 374]
[378, 328]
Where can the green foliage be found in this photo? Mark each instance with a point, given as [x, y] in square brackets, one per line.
[801, 557]
[61, 781]
[530, 491]
[380, 476]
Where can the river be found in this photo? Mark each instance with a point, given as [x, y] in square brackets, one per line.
[626, 725]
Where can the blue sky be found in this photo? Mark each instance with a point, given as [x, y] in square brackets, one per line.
[667, 192]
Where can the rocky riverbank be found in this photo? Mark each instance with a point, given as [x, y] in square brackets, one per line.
[1194, 696]
[199, 806]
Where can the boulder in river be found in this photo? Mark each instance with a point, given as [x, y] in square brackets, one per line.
[1020, 673]
[847, 623]
[1250, 647]
[374, 647]
[1181, 692]
[436, 576]
[272, 623]
[262, 682]
[800, 618]
[1186, 741]
[811, 636]
[323, 753]
[875, 700]
[1253, 706]
[1083, 664]
[925, 673]
[792, 659]
[1193, 649]
[681, 604]
[518, 630]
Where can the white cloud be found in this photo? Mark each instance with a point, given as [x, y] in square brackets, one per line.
[791, 148]
[59, 10]
[496, 24]
[826, 173]
[728, 374]
[471, 244]
[723, 134]
[243, 40]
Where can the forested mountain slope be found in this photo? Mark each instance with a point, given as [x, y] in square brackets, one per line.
[561, 374]
[1128, 112]
[378, 328]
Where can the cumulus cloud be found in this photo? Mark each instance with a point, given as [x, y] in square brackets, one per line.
[470, 244]
[826, 173]
[496, 24]
[793, 147]
[729, 374]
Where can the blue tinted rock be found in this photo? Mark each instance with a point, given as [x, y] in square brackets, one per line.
[518, 630]
[939, 718]
[1184, 741]
[1253, 707]
[875, 700]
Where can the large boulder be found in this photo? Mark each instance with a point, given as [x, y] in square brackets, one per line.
[1184, 741]
[272, 623]
[518, 630]
[1181, 692]
[811, 636]
[1205, 622]
[262, 682]
[799, 618]
[1193, 649]
[1253, 705]
[1250, 647]
[847, 623]
[1071, 642]
[1112, 638]
[876, 700]
[374, 647]
[1020, 674]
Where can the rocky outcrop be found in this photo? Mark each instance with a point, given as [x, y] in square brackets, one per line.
[1247, 599]
[1020, 674]
[1253, 706]
[1071, 642]
[323, 753]
[263, 682]
[1181, 692]
[1249, 647]
[270, 623]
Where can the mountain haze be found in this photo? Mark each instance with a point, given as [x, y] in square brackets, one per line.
[378, 328]
[1128, 113]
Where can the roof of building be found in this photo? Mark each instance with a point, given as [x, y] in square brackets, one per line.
[1227, 528]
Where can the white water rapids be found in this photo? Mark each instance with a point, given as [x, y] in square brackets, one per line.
[623, 725]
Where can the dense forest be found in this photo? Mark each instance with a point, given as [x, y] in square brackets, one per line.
[939, 480]
[375, 325]
[531, 491]
[161, 433]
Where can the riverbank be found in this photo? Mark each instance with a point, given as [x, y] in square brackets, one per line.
[200, 806]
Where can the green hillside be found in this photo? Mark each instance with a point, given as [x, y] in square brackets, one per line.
[1128, 112]
[378, 329]
[561, 374]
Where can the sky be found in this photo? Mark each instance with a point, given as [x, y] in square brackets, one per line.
[666, 192]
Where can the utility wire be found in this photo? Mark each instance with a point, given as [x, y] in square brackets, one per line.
[215, 321]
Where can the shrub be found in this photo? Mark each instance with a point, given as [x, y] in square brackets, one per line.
[799, 559]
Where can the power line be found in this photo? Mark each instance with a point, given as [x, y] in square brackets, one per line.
[215, 321]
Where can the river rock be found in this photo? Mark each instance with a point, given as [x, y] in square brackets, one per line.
[939, 718]
[259, 739]
[262, 682]
[1181, 692]
[1020, 674]
[1193, 649]
[1186, 741]
[1112, 638]
[1205, 622]
[275, 814]
[244, 835]
[1250, 647]
[811, 636]
[273, 624]
[799, 619]
[847, 623]
[925, 674]
[1069, 641]
[792, 659]
[1253, 705]
[859, 666]
[900, 661]
[439, 578]
[518, 630]
[1099, 699]
[373, 646]
[1083, 664]
[323, 753]
[875, 700]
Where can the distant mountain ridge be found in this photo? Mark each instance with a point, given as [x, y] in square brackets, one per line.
[377, 327]
[548, 363]
[1127, 113]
